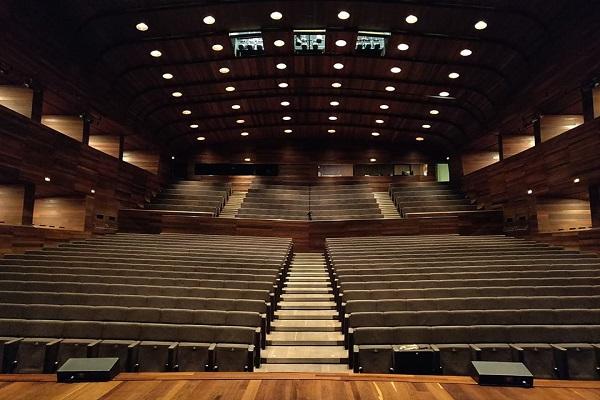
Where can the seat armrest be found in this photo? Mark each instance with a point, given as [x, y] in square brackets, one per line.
[250, 359]
[354, 355]
[557, 347]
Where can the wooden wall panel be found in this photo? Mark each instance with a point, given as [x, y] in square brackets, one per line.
[474, 161]
[562, 214]
[18, 99]
[18, 239]
[69, 125]
[596, 101]
[11, 204]
[60, 212]
[106, 144]
[554, 125]
[515, 144]
[143, 159]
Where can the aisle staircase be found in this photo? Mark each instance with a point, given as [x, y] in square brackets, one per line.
[233, 204]
[306, 334]
[388, 209]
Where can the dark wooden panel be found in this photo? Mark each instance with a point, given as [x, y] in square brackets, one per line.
[18, 99]
[60, 212]
[106, 144]
[72, 126]
[11, 204]
[17, 239]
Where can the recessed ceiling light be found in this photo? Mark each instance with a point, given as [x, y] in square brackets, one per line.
[92, 191]
[444, 94]
[340, 43]
[333, 118]
[334, 103]
[240, 121]
[338, 65]
[343, 15]
[379, 121]
[434, 112]
[403, 47]
[283, 85]
[465, 52]
[167, 76]
[155, 53]
[453, 75]
[375, 134]
[529, 191]
[448, 158]
[141, 27]
[419, 138]
[281, 66]
[209, 20]
[411, 19]
[396, 70]
[201, 138]
[230, 89]
[247, 159]
[244, 133]
[372, 159]
[236, 106]
[480, 25]
[576, 180]
[176, 94]
[276, 15]
[285, 103]
[217, 47]
[279, 43]
[390, 89]
[194, 126]
[224, 70]
[288, 131]
[336, 85]
[331, 131]
[287, 118]
[47, 179]
[426, 126]
[384, 106]
[186, 112]
[172, 157]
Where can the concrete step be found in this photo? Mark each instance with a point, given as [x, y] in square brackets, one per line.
[304, 284]
[306, 305]
[323, 368]
[304, 355]
[305, 325]
[312, 290]
[322, 278]
[305, 339]
[307, 297]
[306, 314]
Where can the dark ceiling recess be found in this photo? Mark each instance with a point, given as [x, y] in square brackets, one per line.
[439, 70]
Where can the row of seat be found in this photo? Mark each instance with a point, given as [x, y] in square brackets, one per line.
[210, 283]
[192, 196]
[419, 198]
[436, 303]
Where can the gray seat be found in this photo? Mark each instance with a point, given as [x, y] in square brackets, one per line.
[233, 357]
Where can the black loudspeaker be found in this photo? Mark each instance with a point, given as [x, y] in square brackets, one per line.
[495, 373]
[88, 370]
[416, 360]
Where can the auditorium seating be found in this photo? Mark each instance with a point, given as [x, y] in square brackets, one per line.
[192, 196]
[427, 198]
[302, 202]
[165, 302]
[448, 300]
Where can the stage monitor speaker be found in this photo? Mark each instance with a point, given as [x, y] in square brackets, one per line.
[495, 373]
[88, 370]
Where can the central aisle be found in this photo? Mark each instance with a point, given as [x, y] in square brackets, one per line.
[306, 334]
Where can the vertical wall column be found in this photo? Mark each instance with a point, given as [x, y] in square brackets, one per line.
[85, 137]
[500, 147]
[587, 103]
[28, 203]
[595, 205]
[37, 105]
[121, 146]
[537, 131]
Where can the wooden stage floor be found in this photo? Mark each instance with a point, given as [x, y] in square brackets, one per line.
[284, 386]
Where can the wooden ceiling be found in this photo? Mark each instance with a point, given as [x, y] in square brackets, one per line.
[103, 39]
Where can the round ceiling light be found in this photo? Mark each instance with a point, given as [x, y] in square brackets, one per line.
[384, 107]
[230, 89]
[217, 47]
[395, 70]
[247, 159]
[426, 126]
[444, 94]
[176, 94]
[240, 121]
[434, 112]
[224, 70]
[480, 25]
[379, 121]
[200, 138]
[390, 89]
[338, 66]
[155, 53]
[281, 66]
[142, 27]
[419, 138]
[403, 47]
[276, 15]
[285, 103]
[453, 75]
[47, 179]
[209, 20]
[340, 43]
[288, 131]
[373, 159]
[465, 52]
[333, 118]
[375, 133]
[287, 118]
[331, 131]
[279, 43]
[194, 126]
[334, 103]
[283, 85]
[336, 85]
[186, 112]
[167, 76]
[343, 15]
[236, 106]
[244, 133]
[411, 19]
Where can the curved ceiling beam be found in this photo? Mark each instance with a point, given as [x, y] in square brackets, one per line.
[194, 84]
[408, 33]
[332, 94]
[430, 4]
[412, 60]
[340, 112]
[394, 132]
